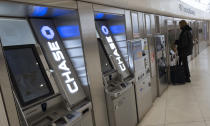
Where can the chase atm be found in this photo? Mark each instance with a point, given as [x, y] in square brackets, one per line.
[119, 88]
[47, 91]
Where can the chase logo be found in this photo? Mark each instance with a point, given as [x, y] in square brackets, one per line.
[47, 32]
[105, 30]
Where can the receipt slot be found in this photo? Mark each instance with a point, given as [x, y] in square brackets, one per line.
[120, 97]
[140, 66]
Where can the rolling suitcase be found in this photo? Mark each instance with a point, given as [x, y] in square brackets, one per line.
[177, 74]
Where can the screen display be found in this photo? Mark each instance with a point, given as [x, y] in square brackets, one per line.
[27, 74]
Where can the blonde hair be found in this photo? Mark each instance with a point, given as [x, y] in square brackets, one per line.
[182, 23]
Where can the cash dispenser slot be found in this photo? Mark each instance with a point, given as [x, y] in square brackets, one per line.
[119, 89]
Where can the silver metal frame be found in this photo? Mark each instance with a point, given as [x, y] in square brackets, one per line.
[3, 117]
[92, 58]
[133, 34]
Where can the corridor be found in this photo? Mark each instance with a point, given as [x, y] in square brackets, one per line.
[185, 105]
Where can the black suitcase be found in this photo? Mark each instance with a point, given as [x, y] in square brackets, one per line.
[177, 74]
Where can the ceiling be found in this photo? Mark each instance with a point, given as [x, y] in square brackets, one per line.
[203, 5]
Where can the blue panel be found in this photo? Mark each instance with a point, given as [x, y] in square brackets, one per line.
[68, 31]
[39, 11]
[117, 29]
[99, 15]
[60, 12]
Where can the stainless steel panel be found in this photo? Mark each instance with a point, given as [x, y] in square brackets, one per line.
[122, 109]
[135, 24]
[12, 9]
[128, 25]
[15, 32]
[7, 93]
[153, 28]
[148, 24]
[3, 117]
[163, 27]
[144, 96]
[70, 4]
[141, 24]
[157, 23]
[92, 58]
[107, 9]
[153, 67]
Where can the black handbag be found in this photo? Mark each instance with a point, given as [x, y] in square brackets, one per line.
[177, 74]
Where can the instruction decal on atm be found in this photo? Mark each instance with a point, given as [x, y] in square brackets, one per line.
[113, 47]
[58, 56]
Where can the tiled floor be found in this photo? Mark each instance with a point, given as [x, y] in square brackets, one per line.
[185, 105]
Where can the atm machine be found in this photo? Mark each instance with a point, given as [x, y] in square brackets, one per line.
[161, 63]
[38, 98]
[119, 89]
[61, 67]
[140, 66]
[45, 95]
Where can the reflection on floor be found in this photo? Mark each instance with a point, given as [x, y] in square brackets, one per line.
[186, 105]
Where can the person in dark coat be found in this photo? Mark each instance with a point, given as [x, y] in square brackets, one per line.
[185, 46]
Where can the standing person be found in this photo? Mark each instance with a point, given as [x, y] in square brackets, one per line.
[185, 46]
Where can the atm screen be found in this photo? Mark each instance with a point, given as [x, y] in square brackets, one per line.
[27, 74]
